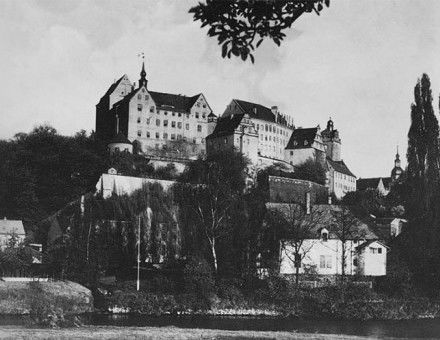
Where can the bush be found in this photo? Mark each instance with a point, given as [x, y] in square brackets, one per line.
[229, 291]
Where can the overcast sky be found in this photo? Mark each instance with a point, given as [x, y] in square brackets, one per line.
[357, 62]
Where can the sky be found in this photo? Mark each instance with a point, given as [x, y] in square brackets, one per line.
[357, 62]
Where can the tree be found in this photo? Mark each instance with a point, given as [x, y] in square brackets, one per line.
[346, 227]
[294, 224]
[241, 26]
[311, 170]
[423, 150]
[215, 185]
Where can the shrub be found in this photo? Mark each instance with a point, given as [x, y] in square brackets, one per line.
[229, 290]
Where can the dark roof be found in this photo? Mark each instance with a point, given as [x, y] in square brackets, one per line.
[367, 183]
[120, 138]
[112, 87]
[372, 183]
[340, 167]
[300, 136]
[173, 101]
[256, 110]
[322, 216]
[226, 126]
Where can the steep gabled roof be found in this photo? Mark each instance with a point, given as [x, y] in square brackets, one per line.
[112, 87]
[173, 101]
[226, 126]
[323, 216]
[256, 110]
[302, 138]
[340, 167]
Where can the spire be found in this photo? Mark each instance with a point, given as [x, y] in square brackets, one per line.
[330, 124]
[397, 160]
[143, 80]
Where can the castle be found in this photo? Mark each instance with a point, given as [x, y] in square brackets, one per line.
[178, 128]
[155, 123]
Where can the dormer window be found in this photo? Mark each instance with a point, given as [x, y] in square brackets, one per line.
[324, 235]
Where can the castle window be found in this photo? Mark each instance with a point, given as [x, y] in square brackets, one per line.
[204, 106]
[203, 115]
[197, 115]
[148, 134]
[152, 109]
[146, 97]
[267, 128]
[139, 133]
[165, 113]
[203, 140]
[139, 96]
[173, 136]
[187, 126]
[179, 114]
[139, 107]
[179, 137]
[165, 122]
[173, 124]
[157, 122]
[179, 125]
[173, 114]
[194, 141]
[199, 128]
[198, 104]
[139, 120]
[157, 136]
[165, 135]
[148, 120]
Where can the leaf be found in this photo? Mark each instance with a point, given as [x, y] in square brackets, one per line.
[224, 49]
[252, 58]
[259, 42]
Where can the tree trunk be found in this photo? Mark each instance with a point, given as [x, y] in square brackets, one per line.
[214, 255]
[297, 276]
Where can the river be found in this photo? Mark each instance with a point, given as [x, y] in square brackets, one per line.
[409, 329]
[428, 328]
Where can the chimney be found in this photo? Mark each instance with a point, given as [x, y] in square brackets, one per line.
[274, 110]
[308, 203]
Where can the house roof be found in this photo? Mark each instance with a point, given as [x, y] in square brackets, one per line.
[120, 138]
[366, 244]
[325, 216]
[340, 167]
[302, 138]
[256, 110]
[173, 101]
[372, 183]
[226, 126]
[112, 87]
[8, 227]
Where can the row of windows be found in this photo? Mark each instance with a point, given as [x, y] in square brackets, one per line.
[270, 128]
[174, 124]
[345, 177]
[275, 139]
[172, 136]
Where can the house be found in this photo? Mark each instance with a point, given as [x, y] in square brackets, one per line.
[113, 184]
[9, 228]
[321, 249]
[389, 227]
[381, 184]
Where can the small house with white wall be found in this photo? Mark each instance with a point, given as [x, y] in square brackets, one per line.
[321, 250]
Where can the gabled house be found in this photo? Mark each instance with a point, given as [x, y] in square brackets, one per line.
[322, 250]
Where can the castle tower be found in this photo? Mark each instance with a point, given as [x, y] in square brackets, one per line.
[143, 80]
[212, 122]
[397, 171]
[330, 137]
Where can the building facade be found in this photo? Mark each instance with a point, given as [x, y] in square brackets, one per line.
[258, 132]
[155, 122]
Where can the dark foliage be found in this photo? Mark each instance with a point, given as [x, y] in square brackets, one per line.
[241, 26]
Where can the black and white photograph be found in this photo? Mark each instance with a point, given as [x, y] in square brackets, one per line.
[220, 169]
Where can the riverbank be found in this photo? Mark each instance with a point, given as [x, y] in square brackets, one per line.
[38, 297]
[101, 332]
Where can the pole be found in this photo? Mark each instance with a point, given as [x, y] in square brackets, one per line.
[138, 252]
